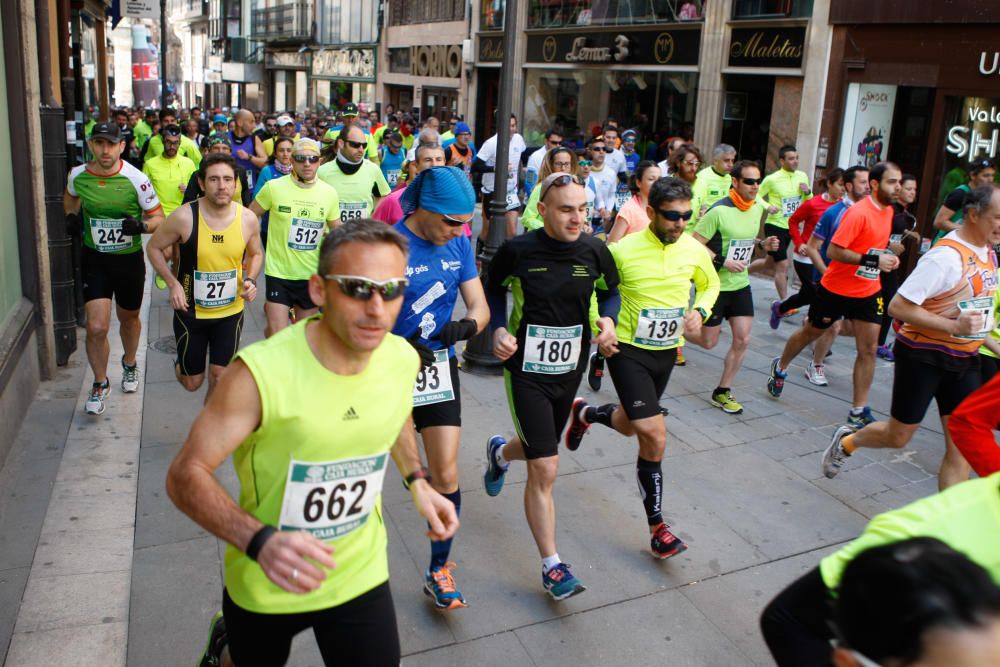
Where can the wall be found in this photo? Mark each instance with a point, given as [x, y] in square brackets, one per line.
[448, 33]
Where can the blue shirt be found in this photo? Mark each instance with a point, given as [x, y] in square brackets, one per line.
[632, 161]
[435, 273]
[390, 165]
[825, 229]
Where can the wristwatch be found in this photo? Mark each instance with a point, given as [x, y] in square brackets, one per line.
[419, 473]
[250, 280]
[702, 312]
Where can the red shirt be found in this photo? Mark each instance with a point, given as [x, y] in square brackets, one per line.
[972, 424]
[809, 212]
[865, 227]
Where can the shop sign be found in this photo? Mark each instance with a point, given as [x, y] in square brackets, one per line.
[651, 47]
[867, 124]
[975, 138]
[438, 60]
[490, 49]
[767, 47]
[989, 64]
[286, 60]
[344, 64]
[140, 9]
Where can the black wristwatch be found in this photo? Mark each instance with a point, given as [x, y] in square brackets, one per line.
[250, 280]
[703, 313]
[419, 473]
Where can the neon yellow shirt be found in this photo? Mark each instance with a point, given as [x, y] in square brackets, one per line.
[371, 151]
[298, 218]
[995, 334]
[966, 517]
[316, 463]
[355, 190]
[657, 278]
[188, 149]
[169, 176]
[781, 190]
[731, 233]
[709, 187]
[269, 144]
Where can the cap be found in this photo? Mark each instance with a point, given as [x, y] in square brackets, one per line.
[629, 133]
[462, 128]
[217, 138]
[350, 109]
[109, 131]
[284, 120]
[306, 146]
[219, 118]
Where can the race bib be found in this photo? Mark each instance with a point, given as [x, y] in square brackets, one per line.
[552, 350]
[895, 238]
[659, 327]
[333, 498]
[392, 178]
[353, 210]
[304, 234]
[512, 200]
[871, 274]
[108, 236]
[621, 198]
[983, 304]
[214, 290]
[789, 204]
[740, 250]
[433, 384]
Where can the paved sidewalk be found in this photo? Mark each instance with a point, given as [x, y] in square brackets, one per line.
[744, 491]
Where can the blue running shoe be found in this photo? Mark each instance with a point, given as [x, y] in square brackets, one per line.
[439, 585]
[775, 319]
[859, 421]
[776, 379]
[494, 475]
[560, 582]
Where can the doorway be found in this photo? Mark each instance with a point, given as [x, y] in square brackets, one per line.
[746, 115]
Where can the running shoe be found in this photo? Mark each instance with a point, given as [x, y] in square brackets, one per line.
[160, 282]
[596, 371]
[130, 378]
[681, 359]
[885, 352]
[665, 544]
[726, 401]
[861, 420]
[439, 585]
[494, 475]
[776, 379]
[791, 311]
[217, 640]
[776, 316]
[98, 394]
[577, 426]
[560, 582]
[834, 456]
[816, 374]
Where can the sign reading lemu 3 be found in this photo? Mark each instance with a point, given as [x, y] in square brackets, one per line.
[767, 47]
[645, 47]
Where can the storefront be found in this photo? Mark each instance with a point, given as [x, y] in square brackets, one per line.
[643, 77]
[342, 75]
[489, 56]
[288, 74]
[932, 106]
[427, 77]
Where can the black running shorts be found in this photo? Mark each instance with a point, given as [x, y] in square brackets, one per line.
[289, 293]
[107, 275]
[218, 339]
[640, 376]
[738, 303]
[540, 411]
[828, 307]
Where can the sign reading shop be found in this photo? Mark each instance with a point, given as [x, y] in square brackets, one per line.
[651, 47]
[767, 47]
[345, 64]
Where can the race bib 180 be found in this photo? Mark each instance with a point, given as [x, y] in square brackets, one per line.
[552, 350]
[659, 327]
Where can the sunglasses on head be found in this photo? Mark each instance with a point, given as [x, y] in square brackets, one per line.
[562, 181]
[311, 159]
[355, 144]
[750, 181]
[674, 216]
[362, 289]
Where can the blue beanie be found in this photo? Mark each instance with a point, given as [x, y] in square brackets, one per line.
[440, 190]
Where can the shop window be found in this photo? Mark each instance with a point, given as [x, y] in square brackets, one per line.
[763, 9]
[491, 14]
[569, 13]
[658, 104]
[972, 132]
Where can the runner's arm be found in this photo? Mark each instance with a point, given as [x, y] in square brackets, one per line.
[812, 249]
[903, 309]
[442, 521]
[255, 251]
[169, 233]
[971, 426]
[259, 158]
[71, 203]
[480, 167]
[794, 221]
[256, 208]
[706, 283]
[476, 307]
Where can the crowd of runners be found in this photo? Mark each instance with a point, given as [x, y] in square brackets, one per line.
[620, 251]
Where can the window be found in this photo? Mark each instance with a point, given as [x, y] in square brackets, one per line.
[407, 12]
[491, 16]
[762, 9]
[569, 13]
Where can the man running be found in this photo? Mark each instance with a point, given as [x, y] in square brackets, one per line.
[286, 128]
[170, 172]
[154, 147]
[484, 163]
[850, 287]
[310, 417]
[552, 272]
[946, 306]
[553, 138]
[713, 182]
[460, 153]
[781, 192]
[437, 205]
[656, 268]
[248, 149]
[359, 182]
[215, 236]
[391, 158]
[729, 230]
[219, 143]
[605, 183]
[103, 198]
[300, 208]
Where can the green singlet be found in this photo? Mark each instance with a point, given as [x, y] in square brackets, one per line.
[107, 200]
[731, 233]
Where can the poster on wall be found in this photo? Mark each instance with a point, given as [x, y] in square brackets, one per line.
[867, 124]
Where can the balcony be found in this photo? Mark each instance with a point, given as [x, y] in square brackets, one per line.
[289, 22]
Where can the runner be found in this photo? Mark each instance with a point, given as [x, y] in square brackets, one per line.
[248, 149]
[560, 159]
[440, 266]
[850, 288]
[781, 193]
[904, 224]
[949, 216]
[605, 181]
[310, 417]
[102, 199]
[972, 424]
[713, 182]
[279, 164]
[350, 117]
[300, 208]
[553, 138]
[154, 147]
[729, 230]
[169, 172]
[552, 272]
[216, 236]
[946, 306]
[484, 163]
[461, 152]
[390, 210]
[391, 158]
[359, 182]
[656, 267]
[286, 128]
[219, 143]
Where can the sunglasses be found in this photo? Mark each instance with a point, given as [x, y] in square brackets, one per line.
[362, 289]
[355, 144]
[270, 126]
[606, 149]
[692, 163]
[311, 159]
[562, 181]
[750, 181]
[584, 163]
[454, 222]
[674, 216]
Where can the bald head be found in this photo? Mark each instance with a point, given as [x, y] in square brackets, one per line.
[245, 122]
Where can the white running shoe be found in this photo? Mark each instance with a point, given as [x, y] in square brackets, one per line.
[130, 378]
[816, 374]
[95, 402]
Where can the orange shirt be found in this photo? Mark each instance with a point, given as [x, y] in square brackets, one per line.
[865, 228]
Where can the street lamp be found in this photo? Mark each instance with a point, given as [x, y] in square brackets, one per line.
[478, 354]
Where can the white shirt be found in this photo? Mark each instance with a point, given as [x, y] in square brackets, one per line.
[606, 181]
[616, 161]
[938, 271]
[488, 154]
